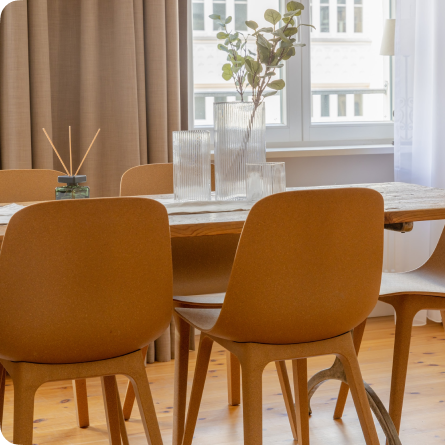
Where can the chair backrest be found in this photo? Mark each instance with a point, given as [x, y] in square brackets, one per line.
[28, 185]
[308, 267]
[201, 265]
[151, 179]
[84, 280]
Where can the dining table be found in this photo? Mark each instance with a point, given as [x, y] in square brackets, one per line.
[405, 204]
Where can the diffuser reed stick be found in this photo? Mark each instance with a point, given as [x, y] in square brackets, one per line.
[71, 156]
[57, 153]
[86, 154]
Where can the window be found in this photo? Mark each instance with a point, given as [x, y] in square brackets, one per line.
[240, 15]
[198, 15]
[219, 8]
[358, 105]
[337, 87]
[324, 15]
[341, 15]
[358, 15]
[341, 105]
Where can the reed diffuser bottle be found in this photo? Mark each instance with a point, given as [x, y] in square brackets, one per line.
[72, 189]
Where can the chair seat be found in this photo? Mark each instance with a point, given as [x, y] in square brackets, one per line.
[211, 301]
[420, 282]
[202, 319]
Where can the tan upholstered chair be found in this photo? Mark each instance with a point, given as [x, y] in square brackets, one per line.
[84, 286]
[409, 293]
[28, 185]
[307, 271]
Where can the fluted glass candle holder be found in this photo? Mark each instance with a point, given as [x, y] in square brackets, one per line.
[265, 179]
[191, 166]
[240, 138]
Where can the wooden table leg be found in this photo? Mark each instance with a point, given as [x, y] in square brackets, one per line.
[344, 388]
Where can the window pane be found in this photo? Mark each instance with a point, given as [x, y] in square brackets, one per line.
[198, 16]
[358, 104]
[324, 2]
[341, 105]
[341, 19]
[341, 2]
[219, 9]
[324, 18]
[200, 108]
[346, 65]
[209, 86]
[358, 19]
[240, 16]
[325, 105]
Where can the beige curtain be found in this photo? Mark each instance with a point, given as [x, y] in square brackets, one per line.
[109, 64]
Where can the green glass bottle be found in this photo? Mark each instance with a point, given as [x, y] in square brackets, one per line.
[72, 189]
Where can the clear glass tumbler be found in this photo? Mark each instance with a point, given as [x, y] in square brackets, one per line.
[265, 179]
[191, 166]
[240, 138]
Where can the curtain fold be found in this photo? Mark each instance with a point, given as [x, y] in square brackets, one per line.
[420, 117]
[109, 64]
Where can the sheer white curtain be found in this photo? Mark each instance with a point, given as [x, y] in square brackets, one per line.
[420, 117]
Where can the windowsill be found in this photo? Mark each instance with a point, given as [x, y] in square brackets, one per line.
[340, 150]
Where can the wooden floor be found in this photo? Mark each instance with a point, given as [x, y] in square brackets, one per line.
[423, 421]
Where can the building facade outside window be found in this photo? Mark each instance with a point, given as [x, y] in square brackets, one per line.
[337, 86]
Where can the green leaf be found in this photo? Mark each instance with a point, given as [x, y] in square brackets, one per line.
[268, 75]
[228, 20]
[215, 17]
[300, 45]
[227, 67]
[264, 54]
[295, 6]
[226, 75]
[305, 24]
[290, 14]
[251, 24]
[275, 66]
[269, 30]
[290, 32]
[253, 67]
[222, 35]
[289, 20]
[263, 41]
[278, 84]
[280, 33]
[252, 53]
[223, 48]
[270, 93]
[272, 16]
[254, 82]
[290, 53]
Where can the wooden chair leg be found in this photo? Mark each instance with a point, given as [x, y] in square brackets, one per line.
[252, 402]
[299, 368]
[122, 426]
[348, 357]
[344, 388]
[202, 365]
[404, 325]
[81, 402]
[182, 339]
[24, 392]
[287, 395]
[233, 379]
[146, 406]
[109, 391]
[130, 396]
[2, 393]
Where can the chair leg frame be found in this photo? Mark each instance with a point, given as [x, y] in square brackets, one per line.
[28, 377]
[254, 357]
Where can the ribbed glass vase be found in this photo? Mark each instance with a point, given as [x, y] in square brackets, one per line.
[191, 166]
[240, 139]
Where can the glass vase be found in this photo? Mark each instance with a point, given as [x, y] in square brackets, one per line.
[265, 179]
[240, 139]
[191, 166]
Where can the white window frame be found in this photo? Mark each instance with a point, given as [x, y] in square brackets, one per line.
[299, 130]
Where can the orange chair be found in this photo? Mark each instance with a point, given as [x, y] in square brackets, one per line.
[84, 286]
[307, 271]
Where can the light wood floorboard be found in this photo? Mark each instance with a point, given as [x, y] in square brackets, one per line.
[423, 418]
